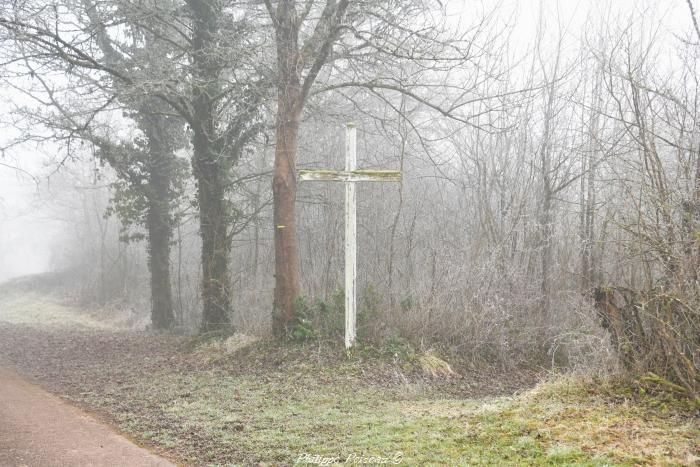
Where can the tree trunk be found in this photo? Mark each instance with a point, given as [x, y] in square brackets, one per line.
[209, 167]
[546, 253]
[287, 287]
[545, 216]
[159, 264]
[588, 202]
[291, 96]
[159, 221]
[284, 189]
[216, 297]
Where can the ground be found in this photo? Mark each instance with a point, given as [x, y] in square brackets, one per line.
[39, 429]
[274, 404]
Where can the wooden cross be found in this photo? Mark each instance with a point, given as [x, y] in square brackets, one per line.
[350, 175]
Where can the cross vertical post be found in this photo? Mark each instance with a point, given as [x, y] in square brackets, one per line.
[349, 177]
[350, 238]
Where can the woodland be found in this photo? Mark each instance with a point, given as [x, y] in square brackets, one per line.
[545, 233]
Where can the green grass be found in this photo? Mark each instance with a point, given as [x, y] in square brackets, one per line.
[241, 409]
[245, 420]
[30, 310]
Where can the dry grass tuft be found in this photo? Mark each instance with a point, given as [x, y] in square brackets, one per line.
[215, 350]
[435, 367]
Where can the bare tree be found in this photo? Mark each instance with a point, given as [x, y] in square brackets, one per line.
[338, 45]
[298, 66]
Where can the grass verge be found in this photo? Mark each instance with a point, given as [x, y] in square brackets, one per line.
[275, 404]
[313, 412]
[29, 310]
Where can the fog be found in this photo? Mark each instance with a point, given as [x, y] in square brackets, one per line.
[27, 234]
[263, 232]
[512, 123]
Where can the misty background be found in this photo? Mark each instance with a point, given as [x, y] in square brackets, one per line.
[29, 234]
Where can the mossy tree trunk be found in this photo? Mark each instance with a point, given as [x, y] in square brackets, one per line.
[209, 166]
[159, 220]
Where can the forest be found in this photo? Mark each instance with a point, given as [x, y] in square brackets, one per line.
[530, 250]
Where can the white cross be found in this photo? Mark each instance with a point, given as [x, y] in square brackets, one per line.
[350, 175]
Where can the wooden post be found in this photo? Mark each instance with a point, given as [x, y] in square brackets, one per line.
[350, 238]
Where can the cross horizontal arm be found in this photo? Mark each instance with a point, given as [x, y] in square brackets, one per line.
[350, 175]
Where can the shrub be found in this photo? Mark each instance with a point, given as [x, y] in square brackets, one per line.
[653, 332]
[325, 318]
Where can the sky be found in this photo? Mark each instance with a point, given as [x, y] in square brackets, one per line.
[27, 231]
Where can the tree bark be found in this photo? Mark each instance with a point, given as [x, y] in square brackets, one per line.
[209, 168]
[293, 88]
[546, 228]
[287, 284]
[159, 221]
[216, 297]
[588, 195]
[287, 287]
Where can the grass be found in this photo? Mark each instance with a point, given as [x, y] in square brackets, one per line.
[285, 418]
[280, 404]
[30, 310]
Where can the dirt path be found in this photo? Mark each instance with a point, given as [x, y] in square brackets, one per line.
[38, 429]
